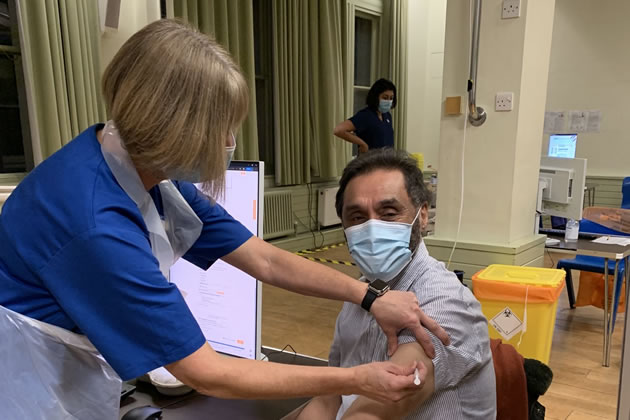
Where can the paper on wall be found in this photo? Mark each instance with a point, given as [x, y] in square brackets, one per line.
[554, 121]
[578, 121]
[594, 121]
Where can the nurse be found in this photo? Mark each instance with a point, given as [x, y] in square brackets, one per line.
[86, 241]
[371, 127]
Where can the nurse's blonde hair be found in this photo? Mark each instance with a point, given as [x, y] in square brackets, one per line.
[175, 96]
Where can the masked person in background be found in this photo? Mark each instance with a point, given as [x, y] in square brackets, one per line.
[382, 203]
[371, 127]
[88, 237]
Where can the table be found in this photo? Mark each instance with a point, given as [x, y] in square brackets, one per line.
[608, 252]
[197, 406]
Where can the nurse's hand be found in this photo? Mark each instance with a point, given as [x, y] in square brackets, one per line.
[386, 381]
[396, 311]
[363, 148]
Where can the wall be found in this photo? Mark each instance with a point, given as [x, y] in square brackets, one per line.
[589, 70]
[134, 14]
[504, 153]
[425, 60]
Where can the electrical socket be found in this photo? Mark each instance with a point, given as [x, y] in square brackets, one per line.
[511, 9]
[503, 101]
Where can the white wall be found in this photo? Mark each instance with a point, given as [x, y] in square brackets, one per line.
[590, 69]
[426, 26]
[134, 14]
[502, 156]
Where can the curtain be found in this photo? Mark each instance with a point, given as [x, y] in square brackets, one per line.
[309, 91]
[231, 23]
[61, 51]
[394, 62]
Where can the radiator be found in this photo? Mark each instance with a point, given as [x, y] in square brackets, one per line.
[278, 215]
[326, 213]
[4, 194]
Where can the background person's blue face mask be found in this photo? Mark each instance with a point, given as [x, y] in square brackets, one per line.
[385, 105]
[380, 249]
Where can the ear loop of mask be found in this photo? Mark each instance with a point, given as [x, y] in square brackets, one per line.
[524, 330]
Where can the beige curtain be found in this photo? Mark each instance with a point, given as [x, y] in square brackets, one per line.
[394, 62]
[231, 23]
[61, 57]
[309, 90]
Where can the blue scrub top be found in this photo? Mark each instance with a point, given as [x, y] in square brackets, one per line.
[75, 252]
[369, 128]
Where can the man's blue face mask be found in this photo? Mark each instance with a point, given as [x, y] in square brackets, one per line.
[380, 249]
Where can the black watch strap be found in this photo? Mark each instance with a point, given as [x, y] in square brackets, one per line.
[368, 300]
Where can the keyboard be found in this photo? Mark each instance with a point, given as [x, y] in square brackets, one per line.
[560, 232]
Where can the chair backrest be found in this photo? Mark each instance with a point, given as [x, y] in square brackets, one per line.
[625, 193]
[588, 226]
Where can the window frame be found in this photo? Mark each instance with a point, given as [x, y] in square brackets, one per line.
[14, 51]
[367, 9]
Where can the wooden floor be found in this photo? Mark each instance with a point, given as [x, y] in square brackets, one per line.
[582, 388]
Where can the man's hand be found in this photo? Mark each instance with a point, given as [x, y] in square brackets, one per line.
[388, 382]
[395, 311]
[363, 148]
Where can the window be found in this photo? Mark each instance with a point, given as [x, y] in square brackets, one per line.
[15, 144]
[264, 82]
[365, 54]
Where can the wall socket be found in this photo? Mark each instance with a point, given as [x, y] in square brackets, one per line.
[511, 9]
[503, 101]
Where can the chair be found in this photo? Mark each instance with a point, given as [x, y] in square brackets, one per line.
[625, 193]
[593, 264]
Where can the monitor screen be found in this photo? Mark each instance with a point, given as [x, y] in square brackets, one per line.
[562, 145]
[224, 300]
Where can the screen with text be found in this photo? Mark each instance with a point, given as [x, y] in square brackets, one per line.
[223, 299]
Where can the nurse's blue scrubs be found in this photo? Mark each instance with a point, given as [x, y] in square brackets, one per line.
[369, 128]
[75, 252]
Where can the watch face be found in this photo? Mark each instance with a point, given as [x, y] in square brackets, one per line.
[379, 285]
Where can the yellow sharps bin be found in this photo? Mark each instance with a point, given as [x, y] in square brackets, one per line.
[520, 305]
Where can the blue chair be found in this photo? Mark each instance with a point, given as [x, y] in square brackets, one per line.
[593, 264]
[625, 193]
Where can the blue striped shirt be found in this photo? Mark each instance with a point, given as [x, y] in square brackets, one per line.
[464, 373]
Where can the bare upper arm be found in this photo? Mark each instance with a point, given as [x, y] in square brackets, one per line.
[253, 257]
[318, 408]
[365, 408]
[344, 127]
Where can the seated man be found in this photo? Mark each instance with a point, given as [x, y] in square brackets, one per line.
[382, 202]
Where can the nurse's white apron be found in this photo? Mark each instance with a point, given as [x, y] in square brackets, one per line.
[47, 372]
[50, 373]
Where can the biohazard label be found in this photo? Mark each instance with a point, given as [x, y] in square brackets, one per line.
[507, 323]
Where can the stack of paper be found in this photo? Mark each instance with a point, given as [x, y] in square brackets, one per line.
[613, 240]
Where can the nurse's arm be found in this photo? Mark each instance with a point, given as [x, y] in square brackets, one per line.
[394, 311]
[345, 130]
[224, 377]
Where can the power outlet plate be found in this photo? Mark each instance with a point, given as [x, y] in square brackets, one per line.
[503, 101]
[511, 9]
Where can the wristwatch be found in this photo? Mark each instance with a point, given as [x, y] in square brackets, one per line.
[375, 289]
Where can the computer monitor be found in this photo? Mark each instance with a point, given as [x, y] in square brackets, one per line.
[561, 184]
[225, 301]
[562, 145]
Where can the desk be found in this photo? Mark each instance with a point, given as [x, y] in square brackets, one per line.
[608, 252]
[197, 406]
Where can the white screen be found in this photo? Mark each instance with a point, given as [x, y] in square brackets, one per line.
[224, 299]
[562, 145]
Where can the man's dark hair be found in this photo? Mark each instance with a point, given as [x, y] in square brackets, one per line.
[380, 86]
[388, 159]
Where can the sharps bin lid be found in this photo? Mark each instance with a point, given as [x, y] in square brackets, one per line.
[509, 281]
